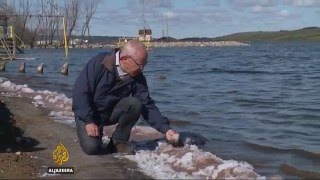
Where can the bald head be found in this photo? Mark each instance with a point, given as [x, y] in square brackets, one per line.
[136, 50]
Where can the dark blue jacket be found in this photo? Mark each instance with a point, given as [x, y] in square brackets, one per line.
[98, 88]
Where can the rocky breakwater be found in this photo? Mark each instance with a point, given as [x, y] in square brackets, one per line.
[199, 44]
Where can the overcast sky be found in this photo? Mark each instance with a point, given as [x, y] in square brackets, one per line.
[202, 18]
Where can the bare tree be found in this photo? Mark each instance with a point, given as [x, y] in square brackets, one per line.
[6, 8]
[90, 7]
[45, 20]
[45, 24]
[35, 31]
[25, 6]
[54, 20]
[3, 6]
[72, 12]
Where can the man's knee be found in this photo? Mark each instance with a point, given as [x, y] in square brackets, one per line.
[90, 149]
[88, 144]
[135, 104]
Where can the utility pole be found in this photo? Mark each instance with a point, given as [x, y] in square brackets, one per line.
[167, 26]
[162, 32]
[143, 18]
[6, 11]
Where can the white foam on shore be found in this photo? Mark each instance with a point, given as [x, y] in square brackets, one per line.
[58, 103]
[44, 175]
[165, 162]
[190, 162]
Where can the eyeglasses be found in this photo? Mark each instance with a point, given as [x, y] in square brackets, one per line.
[140, 65]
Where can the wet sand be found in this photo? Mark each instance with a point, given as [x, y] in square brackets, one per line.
[33, 162]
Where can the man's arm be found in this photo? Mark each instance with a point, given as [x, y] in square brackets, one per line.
[89, 93]
[150, 112]
[82, 96]
[84, 89]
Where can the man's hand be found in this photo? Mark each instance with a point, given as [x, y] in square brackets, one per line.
[172, 136]
[92, 130]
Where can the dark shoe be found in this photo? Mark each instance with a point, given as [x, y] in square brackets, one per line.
[111, 148]
[124, 148]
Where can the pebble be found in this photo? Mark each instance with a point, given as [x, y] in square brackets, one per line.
[162, 77]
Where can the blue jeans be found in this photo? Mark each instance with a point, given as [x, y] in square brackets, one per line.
[126, 113]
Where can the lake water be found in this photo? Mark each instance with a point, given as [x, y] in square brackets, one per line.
[259, 104]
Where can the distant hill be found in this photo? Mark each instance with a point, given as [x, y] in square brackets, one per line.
[165, 39]
[305, 34]
[105, 39]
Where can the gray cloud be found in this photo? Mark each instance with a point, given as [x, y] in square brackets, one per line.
[276, 16]
[221, 16]
[302, 3]
[262, 9]
[252, 3]
[212, 2]
[113, 15]
[157, 3]
[198, 16]
[149, 4]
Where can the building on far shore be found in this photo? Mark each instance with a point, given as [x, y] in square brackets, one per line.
[145, 35]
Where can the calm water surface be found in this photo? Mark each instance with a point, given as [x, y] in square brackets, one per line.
[259, 104]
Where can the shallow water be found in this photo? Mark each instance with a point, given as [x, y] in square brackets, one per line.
[258, 104]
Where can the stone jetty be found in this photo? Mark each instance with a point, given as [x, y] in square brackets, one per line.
[199, 44]
[159, 44]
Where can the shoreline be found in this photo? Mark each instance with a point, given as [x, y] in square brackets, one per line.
[38, 126]
[163, 44]
[200, 44]
[49, 122]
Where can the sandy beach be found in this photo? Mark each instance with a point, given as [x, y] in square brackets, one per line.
[33, 162]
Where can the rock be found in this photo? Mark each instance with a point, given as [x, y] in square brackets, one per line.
[162, 77]
[185, 138]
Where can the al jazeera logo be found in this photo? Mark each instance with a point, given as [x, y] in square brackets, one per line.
[60, 156]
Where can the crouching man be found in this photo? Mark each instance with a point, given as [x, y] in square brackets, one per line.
[112, 89]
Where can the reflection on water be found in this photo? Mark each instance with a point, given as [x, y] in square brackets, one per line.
[259, 104]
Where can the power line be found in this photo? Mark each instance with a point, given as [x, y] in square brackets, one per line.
[111, 18]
